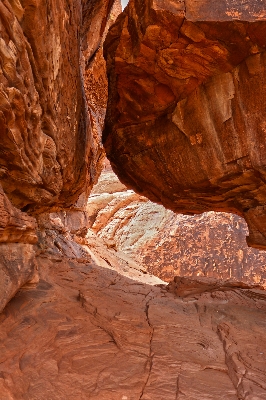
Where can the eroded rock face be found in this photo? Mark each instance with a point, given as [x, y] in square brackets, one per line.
[186, 118]
[18, 234]
[167, 244]
[17, 267]
[15, 226]
[51, 149]
[50, 145]
[88, 332]
[89, 322]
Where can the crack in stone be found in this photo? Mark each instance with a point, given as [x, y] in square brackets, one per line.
[178, 390]
[96, 322]
[151, 355]
[230, 366]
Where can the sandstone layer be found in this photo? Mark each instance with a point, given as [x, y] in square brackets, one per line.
[50, 144]
[168, 244]
[186, 118]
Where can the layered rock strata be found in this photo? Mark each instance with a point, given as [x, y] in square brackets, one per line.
[15, 226]
[186, 118]
[194, 338]
[168, 244]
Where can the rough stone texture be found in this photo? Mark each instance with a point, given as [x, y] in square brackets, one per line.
[86, 332]
[212, 244]
[50, 147]
[15, 226]
[89, 322]
[17, 267]
[60, 238]
[18, 233]
[167, 244]
[186, 118]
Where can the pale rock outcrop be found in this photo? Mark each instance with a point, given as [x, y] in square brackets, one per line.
[185, 121]
[59, 238]
[167, 244]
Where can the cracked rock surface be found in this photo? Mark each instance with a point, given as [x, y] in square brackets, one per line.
[87, 332]
[185, 121]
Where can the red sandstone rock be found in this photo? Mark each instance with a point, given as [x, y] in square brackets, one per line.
[186, 118]
[67, 236]
[17, 267]
[89, 322]
[15, 226]
[88, 332]
[18, 233]
[50, 147]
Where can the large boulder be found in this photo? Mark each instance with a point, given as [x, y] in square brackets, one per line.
[186, 114]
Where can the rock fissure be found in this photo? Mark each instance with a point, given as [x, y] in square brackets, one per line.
[151, 354]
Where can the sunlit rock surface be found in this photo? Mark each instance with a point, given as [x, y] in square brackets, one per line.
[186, 118]
[94, 324]
[167, 244]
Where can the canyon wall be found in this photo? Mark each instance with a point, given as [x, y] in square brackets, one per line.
[51, 147]
[186, 118]
[51, 152]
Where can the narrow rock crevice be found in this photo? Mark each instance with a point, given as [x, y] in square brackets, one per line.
[151, 354]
